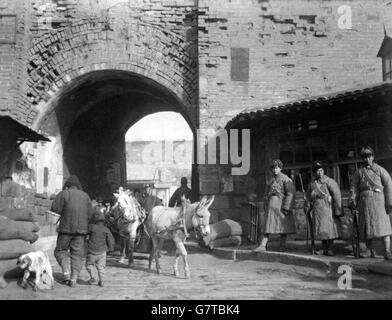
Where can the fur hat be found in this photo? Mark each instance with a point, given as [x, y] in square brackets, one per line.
[366, 151]
[317, 165]
[99, 216]
[276, 163]
[73, 181]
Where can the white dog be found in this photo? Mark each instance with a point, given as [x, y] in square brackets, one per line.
[37, 262]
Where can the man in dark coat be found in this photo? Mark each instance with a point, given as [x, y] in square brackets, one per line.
[74, 206]
[371, 193]
[175, 199]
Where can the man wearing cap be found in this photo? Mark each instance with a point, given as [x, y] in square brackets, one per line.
[371, 193]
[279, 200]
[325, 198]
[175, 199]
[74, 207]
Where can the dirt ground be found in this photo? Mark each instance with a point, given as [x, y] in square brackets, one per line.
[211, 278]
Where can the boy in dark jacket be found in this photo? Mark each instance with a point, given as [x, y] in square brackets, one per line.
[100, 241]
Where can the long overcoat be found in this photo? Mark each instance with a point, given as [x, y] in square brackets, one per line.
[326, 201]
[371, 191]
[279, 195]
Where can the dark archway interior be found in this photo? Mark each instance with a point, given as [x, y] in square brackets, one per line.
[93, 116]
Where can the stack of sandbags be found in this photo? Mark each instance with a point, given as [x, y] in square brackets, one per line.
[18, 214]
[225, 233]
[17, 231]
[24, 230]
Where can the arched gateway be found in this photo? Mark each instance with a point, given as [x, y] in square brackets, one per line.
[89, 82]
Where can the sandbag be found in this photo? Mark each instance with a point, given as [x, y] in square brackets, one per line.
[23, 230]
[222, 229]
[10, 188]
[10, 249]
[231, 241]
[18, 214]
[9, 270]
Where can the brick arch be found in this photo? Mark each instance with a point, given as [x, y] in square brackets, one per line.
[149, 50]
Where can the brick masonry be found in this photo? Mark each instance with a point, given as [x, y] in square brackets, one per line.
[295, 47]
[296, 50]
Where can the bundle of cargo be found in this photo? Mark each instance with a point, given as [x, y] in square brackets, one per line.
[18, 214]
[225, 233]
[18, 231]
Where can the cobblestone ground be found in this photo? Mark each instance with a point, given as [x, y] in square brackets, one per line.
[211, 278]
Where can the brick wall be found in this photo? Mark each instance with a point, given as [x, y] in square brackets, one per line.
[295, 50]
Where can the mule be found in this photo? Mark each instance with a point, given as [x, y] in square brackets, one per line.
[164, 223]
[129, 216]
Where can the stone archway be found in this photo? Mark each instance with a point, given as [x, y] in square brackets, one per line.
[77, 74]
[90, 118]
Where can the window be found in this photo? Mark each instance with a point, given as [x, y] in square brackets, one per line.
[384, 141]
[346, 145]
[387, 67]
[346, 172]
[240, 64]
[365, 137]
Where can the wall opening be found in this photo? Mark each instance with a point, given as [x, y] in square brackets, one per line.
[159, 151]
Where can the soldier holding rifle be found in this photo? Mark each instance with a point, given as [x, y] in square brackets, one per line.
[279, 200]
[325, 199]
[371, 193]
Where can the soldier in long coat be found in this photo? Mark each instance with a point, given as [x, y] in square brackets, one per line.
[278, 217]
[371, 193]
[325, 199]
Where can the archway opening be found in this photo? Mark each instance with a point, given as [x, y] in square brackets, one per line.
[91, 117]
[159, 151]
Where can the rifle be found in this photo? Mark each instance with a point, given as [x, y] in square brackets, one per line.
[355, 244]
[356, 240]
[309, 218]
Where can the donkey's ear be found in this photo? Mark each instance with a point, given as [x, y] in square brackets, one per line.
[210, 201]
[203, 201]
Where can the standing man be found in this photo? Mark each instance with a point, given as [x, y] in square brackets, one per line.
[175, 199]
[326, 200]
[371, 193]
[75, 209]
[279, 200]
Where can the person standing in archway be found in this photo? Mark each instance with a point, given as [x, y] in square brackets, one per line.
[278, 217]
[175, 199]
[74, 207]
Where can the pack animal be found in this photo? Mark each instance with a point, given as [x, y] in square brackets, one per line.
[129, 217]
[165, 223]
[36, 262]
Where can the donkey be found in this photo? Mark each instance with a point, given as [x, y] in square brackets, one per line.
[164, 223]
[129, 216]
